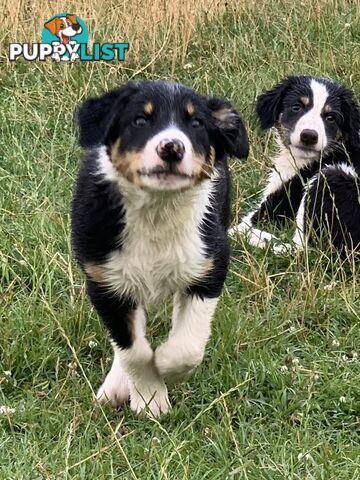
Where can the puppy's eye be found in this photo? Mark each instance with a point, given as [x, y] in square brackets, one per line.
[330, 118]
[296, 107]
[196, 123]
[140, 121]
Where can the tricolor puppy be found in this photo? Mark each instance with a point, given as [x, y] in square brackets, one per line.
[64, 27]
[315, 174]
[149, 220]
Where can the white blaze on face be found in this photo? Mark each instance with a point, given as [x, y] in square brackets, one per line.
[150, 160]
[312, 120]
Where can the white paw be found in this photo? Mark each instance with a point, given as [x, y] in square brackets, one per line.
[151, 397]
[241, 229]
[282, 248]
[115, 389]
[175, 363]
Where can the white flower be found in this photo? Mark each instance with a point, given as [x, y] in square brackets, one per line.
[284, 369]
[303, 455]
[93, 344]
[188, 66]
[335, 342]
[4, 410]
[7, 373]
[155, 441]
[330, 286]
[296, 361]
[342, 399]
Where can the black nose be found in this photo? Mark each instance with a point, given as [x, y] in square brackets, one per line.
[309, 137]
[171, 150]
[76, 26]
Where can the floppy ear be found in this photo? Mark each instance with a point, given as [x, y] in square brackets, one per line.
[230, 127]
[351, 126]
[96, 116]
[269, 104]
[51, 25]
[72, 19]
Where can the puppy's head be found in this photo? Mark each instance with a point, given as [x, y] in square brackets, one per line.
[311, 115]
[162, 135]
[64, 27]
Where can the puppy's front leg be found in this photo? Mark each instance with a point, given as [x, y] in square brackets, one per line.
[133, 371]
[191, 327]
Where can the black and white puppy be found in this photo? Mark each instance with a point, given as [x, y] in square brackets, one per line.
[315, 174]
[150, 216]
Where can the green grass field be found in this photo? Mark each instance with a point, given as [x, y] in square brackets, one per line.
[278, 394]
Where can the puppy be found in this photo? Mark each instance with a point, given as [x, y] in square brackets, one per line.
[150, 215]
[64, 27]
[315, 174]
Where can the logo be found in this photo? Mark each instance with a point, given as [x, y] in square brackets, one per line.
[65, 38]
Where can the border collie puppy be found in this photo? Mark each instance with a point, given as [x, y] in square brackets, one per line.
[150, 215]
[315, 174]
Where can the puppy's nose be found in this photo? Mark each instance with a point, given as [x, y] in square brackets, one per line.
[309, 137]
[171, 151]
[76, 26]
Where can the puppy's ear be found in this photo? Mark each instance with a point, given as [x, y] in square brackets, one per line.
[72, 19]
[230, 128]
[97, 115]
[52, 25]
[269, 104]
[351, 127]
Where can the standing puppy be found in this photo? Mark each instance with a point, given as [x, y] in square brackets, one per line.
[149, 219]
[317, 124]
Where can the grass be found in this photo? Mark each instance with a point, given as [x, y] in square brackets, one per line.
[278, 394]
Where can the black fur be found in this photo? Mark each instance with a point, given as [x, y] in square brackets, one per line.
[96, 115]
[333, 209]
[283, 204]
[269, 104]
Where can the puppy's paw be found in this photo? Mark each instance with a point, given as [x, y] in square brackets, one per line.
[175, 363]
[115, 389]
[152, 398]
[282, 248]
[240, 229]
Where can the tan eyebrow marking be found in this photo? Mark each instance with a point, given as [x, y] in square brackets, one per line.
[148, 108]
[305, 101]
[189, 108]
[327, 108]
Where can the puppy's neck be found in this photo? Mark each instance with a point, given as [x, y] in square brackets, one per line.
[294, 157]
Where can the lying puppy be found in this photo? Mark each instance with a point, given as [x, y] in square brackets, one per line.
[149, 219]
[315, 174]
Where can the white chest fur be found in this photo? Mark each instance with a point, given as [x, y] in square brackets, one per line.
[162, 250]
[286, 166]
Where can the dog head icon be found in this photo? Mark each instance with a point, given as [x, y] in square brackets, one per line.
[64, 27]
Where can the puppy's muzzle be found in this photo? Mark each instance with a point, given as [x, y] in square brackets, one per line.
[171, 151]
[76, 26]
